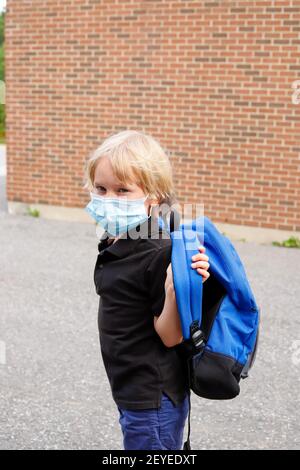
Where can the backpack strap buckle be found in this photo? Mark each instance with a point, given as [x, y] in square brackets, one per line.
[197, 335]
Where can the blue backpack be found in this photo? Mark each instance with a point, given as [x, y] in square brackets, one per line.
[219, 318]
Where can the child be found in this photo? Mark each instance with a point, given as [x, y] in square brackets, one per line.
[130, 179]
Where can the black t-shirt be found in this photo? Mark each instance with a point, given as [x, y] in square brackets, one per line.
[129, 276]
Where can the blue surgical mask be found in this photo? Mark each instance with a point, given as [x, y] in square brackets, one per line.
[117, 215]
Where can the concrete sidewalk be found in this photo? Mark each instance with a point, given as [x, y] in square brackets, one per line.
[3, 203]
[54, 393]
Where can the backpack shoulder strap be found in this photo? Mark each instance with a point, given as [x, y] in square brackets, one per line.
[187, 281]
[174, 221]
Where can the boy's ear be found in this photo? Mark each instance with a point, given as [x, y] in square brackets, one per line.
[153, 199]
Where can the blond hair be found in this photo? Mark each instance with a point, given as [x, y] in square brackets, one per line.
[138, 158]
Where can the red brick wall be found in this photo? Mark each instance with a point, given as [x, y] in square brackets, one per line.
[212, 80]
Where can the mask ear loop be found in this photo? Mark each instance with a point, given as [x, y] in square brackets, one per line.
[153, 208]
[149, 215]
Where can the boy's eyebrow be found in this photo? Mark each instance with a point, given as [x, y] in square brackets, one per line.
[118, 185]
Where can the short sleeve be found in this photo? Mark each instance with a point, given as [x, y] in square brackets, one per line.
[156, 274]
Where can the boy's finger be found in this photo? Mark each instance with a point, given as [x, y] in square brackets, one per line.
[200, 264]
[205, 274]
[200, 257]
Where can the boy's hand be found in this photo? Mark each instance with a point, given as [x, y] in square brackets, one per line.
[199, 262]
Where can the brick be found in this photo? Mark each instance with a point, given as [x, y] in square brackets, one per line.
[212, 81]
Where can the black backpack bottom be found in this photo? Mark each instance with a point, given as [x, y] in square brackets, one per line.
[214, 376]
[210, 375]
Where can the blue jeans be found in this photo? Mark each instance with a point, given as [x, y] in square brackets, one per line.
[156, 428]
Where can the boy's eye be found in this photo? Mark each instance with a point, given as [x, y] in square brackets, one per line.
[120, 190]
